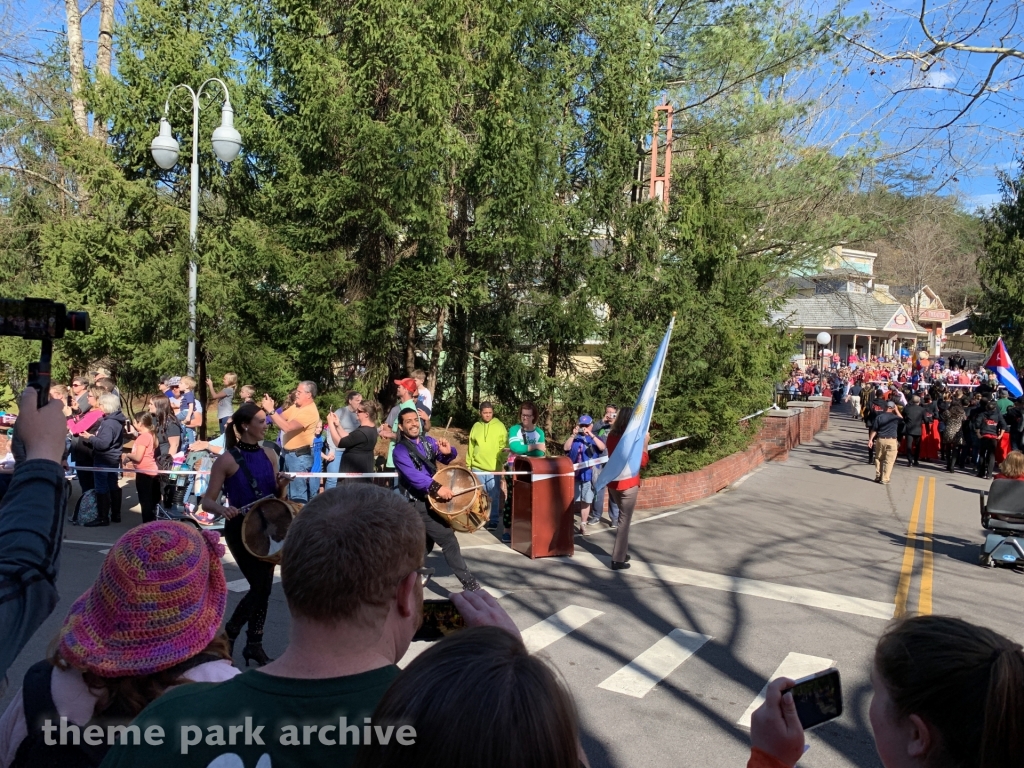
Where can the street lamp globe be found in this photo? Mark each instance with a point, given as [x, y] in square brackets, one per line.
[824, 338]
[164, 147]
[227, 142]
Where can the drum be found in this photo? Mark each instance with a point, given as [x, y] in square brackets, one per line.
[466, 511]
[265, 525]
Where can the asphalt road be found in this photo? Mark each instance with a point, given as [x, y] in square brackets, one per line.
[797, 567]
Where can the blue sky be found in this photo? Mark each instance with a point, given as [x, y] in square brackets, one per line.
[904, 107]
[861, 101]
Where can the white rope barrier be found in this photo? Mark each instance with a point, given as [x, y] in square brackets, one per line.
[350, 475]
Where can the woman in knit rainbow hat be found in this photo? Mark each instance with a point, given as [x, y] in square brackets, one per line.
[150, 621]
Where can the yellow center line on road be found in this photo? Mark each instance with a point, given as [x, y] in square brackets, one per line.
[909, 549]
[924, 604]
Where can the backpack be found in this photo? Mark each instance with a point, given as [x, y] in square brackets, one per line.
[86, 510]
[39, 707]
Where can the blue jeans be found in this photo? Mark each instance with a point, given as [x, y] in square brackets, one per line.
[613, 508]
[493, 489]
[333, 466]
[301, 488]
[104, 482]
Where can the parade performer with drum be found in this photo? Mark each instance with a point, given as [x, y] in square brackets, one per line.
[246, 472]
[416, 460]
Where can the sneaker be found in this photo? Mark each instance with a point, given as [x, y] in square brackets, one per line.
[506, 538]
[489, 526]
[614, 526]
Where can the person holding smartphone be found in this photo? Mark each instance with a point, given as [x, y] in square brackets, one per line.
[945, 693]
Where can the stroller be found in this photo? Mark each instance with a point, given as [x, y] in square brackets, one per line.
[181, 495]
[1002, 513]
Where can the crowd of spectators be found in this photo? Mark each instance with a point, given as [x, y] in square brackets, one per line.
[141, 674]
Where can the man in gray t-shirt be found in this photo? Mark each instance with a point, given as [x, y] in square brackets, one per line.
[349, 422]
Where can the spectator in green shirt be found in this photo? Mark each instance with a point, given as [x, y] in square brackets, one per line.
[1004, 403]
[524, 439]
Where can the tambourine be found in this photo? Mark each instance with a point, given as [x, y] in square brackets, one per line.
[265, 526]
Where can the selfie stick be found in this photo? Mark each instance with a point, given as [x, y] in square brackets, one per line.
[39, 373]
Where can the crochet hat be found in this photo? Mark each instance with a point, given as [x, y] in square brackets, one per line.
[158, 600]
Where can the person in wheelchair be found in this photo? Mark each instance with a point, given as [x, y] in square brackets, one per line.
[1002, 514]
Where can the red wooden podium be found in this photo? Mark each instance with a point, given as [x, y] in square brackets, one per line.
[542, 507]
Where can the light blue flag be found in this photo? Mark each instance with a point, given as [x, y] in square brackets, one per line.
[624, 461]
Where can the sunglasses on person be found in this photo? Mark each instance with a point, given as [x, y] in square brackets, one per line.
[425, 575]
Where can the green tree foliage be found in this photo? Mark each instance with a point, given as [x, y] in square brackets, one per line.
[448, 184]
[1001, 267]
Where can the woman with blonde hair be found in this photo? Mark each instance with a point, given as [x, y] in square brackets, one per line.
[1012, 467]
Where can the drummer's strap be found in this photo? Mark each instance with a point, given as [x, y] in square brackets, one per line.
[237, 455]
[418, 459]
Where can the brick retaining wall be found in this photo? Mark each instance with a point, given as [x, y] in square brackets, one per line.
[780, 432]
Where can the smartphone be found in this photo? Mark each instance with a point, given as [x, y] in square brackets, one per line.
[818, 698]
[440, 618]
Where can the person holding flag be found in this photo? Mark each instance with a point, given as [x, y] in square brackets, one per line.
[1000, 364]
[624, 492]
[627, 452]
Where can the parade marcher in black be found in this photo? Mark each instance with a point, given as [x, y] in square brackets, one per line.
[952, 435]
[1014, 418]
[416, 460]
[874, 407]
[913, 420]
[883, 439]
[988, 428]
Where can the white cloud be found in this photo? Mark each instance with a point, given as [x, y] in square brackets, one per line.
[937, 79]
[983, 201]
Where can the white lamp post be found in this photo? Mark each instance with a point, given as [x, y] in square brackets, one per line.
[823, 340]
[227, 143]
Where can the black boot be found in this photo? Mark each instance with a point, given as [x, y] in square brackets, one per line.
[254, 652]
[102, 511]
[232, 632]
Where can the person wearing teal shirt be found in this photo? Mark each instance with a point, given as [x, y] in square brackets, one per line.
[524, 439]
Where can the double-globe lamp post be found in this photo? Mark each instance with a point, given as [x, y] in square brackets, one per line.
[823, 341]
[227, 143]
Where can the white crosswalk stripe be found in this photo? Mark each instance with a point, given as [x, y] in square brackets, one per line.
[794, 666]
[655, 664]
[242, 585]
[558, 625]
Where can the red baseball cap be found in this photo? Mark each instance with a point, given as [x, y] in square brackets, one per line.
[409, 385]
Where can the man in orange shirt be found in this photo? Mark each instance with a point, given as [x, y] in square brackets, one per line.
[298, 428]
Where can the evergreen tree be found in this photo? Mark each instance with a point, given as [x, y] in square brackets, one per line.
[1001, 268]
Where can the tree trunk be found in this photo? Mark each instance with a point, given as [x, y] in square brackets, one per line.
[76, 60]
[410, 342]
[204, 391]
[459, 359]
[104, 55]
[476, 372]
[435, 351]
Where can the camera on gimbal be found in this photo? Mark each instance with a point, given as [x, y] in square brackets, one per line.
[44, 320]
